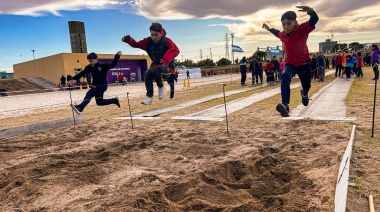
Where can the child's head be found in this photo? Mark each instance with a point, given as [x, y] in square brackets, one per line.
[359, 54]
[274, 58]
[92, 59]
[280, 58]
[374, 46]
[288, 20]
[155, 31]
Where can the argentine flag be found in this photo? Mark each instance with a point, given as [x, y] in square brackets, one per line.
[236, 48]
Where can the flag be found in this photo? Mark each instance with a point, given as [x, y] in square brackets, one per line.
[236, 48]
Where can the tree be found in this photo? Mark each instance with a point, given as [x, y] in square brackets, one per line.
[223, 62]
[259, 55]
[188, 63]
[339, 47]
[356, 46]
[206, 62]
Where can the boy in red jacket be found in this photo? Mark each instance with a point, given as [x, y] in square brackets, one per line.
[162, 50]
[294, 38]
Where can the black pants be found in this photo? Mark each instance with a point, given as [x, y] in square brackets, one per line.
[360, 72]
[303, 72]
[338, 68]
[170, 81]
[243, 77]
[97, 91]
[348, 72]
[154, 73]
[255, 77]
[375, 68]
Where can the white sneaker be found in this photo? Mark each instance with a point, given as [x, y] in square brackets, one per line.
[147, 101]
[161, 92]
[171, 98]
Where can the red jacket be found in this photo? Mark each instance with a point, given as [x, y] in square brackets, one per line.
[360, 61]
[143, 44]
[338, 60]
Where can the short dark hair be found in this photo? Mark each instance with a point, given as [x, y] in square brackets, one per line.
[92, 56]
[156, 27]
[359, 54]
[375, 46]
[290, 15]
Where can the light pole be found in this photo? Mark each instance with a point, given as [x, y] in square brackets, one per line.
[232, 40]
[33, 53]
[182, 58]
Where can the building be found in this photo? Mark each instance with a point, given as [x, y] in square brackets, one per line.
[51, 68]
[77, 37]
[327, 46]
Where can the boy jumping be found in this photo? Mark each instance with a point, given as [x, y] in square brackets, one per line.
[294, 38]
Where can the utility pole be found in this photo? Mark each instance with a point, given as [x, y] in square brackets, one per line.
[232, 43]
[210, 54]
[200, 51]
[332, 36]
[182, 58]
[33, 53]
[227, 47]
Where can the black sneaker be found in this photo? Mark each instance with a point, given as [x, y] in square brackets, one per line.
[78, 110]
[117, 102]
[283, 109]
[305, 98]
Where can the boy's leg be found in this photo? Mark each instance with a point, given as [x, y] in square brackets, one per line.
[101, 88]
[89, 95]
[304, 73]
[170, 81]
[289, 72]
[148, 78]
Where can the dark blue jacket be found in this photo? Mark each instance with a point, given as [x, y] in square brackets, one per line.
[98, 72]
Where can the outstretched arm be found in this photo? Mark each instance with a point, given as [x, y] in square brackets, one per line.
[142, 44]
[313, 15]
[272, 30]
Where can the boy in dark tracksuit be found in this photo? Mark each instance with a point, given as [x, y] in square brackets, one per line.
[243, 71]
[99, 83]
[294, 38]
[162, 50]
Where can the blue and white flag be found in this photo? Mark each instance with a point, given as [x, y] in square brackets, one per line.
[236, 48]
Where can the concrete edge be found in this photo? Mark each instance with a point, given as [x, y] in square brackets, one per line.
[197, 118]
[33, 128]
[341, 189]
[137, 117]
[294, 118]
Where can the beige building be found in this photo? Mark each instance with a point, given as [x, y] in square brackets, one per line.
[52, 67]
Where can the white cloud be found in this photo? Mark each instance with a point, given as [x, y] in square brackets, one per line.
[40, 7]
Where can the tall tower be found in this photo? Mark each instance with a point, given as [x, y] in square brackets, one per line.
[227, 47]
[77, 37]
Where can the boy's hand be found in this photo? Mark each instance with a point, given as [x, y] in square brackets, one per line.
[125, 38]
[119, 53]
[265, 26]
[305, 9]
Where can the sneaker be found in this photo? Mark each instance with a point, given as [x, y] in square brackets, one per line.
[117, 102]
[161, 92]
[283, 109]
[147, 101]
[305, 98]
[78, 110]
[171, 98]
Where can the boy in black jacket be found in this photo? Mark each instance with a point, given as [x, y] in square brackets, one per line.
[99, 83]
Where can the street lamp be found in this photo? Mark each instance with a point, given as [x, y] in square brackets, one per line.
[33, 53]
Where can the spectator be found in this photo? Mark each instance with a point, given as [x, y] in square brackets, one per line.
[187, 74]
[275, 67]
[360, 64]
[321, 64]
[338, 64]
[375, 61]
[63, 81]
[243, 71]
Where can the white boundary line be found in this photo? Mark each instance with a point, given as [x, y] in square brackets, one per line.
[342, 181]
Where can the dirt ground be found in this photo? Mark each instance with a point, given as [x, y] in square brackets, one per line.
[262, 164]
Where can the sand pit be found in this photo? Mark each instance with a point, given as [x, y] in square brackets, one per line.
[263, 164]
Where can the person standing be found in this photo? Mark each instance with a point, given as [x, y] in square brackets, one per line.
[253, 65]
[63, 81]
[338, 64]
[333, 62]
[243, 71]
[275, 63]
[294, 38]
[321, 64]
[360, 64]
[349, 64]
[281, 67]
[375, 61]
[99, 84]
[162, 51]
[187, 74]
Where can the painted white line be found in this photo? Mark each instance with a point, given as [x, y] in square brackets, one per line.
[342, 181]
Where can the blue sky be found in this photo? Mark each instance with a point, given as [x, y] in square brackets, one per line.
[42, 25]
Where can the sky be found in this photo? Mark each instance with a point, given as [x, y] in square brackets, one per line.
[196, 26]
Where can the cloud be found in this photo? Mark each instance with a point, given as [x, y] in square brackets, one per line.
[41, 7]
[344, 16]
